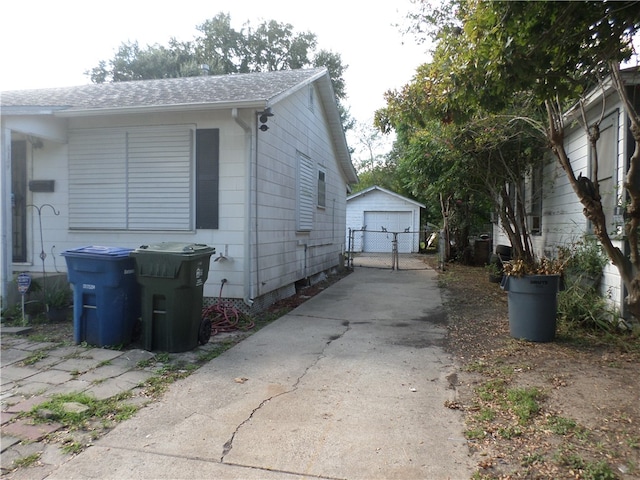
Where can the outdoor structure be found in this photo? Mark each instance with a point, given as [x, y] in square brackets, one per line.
[555, 213]
[377, 213]
[255, 165]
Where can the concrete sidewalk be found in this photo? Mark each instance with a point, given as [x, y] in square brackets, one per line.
[350, 385]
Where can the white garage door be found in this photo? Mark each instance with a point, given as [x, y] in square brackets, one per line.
[377, 241]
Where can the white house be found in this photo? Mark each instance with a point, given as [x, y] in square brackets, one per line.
[555, 214]
[377, 211]
[255, 165]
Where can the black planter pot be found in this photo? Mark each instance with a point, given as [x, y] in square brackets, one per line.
[58, 314]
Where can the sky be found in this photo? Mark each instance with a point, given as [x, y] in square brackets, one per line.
[46, 43]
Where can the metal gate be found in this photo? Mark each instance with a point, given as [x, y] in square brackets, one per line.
[385, 249]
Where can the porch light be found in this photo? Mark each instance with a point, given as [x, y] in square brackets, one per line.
[264, 117]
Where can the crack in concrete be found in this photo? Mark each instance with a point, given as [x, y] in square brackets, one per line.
[228, 445]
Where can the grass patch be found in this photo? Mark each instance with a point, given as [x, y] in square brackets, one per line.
[219, 349]
[35, 357]
[163, 357]
[71, 447]
[595, 470]
[510, 432]
[523, 402]
[486, 415]
[531, 459]
[58, 409]
[474, 434]
[492, 390]
[561, 425]
[159, 383]
[27, 461]
[145, 363]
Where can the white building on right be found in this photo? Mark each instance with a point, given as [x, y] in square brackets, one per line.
[555, 215]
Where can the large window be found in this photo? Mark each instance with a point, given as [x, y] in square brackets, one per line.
[137, 178]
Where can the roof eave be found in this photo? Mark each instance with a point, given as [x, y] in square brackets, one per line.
[335, 125]
[187, 107]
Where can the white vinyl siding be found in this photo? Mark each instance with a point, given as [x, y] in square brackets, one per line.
[131, 178]
[306, 193]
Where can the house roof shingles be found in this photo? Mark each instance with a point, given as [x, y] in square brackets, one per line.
[204, 90]
[249, 90]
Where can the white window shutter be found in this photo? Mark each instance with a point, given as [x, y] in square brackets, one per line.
[306, 193]
[136, 178]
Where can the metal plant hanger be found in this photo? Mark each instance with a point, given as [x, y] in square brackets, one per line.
[43, 255]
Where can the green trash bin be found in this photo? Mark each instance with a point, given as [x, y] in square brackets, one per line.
[172, 277]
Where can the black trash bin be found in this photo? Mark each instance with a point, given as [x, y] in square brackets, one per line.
[172, 276]
[106, 295]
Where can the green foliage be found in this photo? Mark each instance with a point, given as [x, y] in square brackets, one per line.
[524, 403]
[113, 409]
[27, 461]
[510, 431]
[35, 357]
[580, 306]
[72, 447]
[492, 50]
[268, 46]
[493, 67]
[584, 257]
[589, 470]
[561, 425]
[58, 296]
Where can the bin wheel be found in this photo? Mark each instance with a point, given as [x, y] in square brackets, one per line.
[205, 331]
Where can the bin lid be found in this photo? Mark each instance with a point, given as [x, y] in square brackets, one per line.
[97, 250]
[176, 248]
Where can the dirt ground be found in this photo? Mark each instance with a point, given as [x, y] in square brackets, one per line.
[587, 420]
[585, 423]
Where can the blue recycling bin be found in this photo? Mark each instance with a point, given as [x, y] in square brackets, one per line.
[106, 295]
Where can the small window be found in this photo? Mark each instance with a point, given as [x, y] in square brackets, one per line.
[311, 97]
[322, 189]
[207, 177]
[535, 208]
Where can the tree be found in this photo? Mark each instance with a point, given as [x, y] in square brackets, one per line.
[223, 50]
[553, 53]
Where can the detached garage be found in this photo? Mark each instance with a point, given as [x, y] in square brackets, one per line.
[377, 212]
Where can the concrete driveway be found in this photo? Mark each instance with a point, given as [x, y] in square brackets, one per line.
[350, 385]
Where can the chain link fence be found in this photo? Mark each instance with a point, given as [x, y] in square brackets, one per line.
[385, 249]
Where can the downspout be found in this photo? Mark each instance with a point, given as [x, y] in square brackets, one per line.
[249, 293]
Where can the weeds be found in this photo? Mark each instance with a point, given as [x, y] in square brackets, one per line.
[524, 403]
[27, 461]
[561, 425]
[35, 357]
[59, 409]
[72, 447]
[598, 470]
[510, 432]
